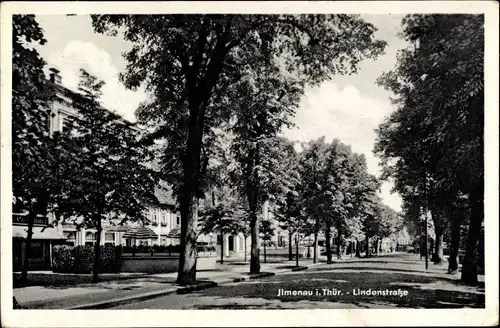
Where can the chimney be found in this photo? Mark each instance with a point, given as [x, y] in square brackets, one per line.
[54, 76]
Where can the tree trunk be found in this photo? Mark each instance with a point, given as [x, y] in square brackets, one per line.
[367, 241]
[439, 227]
[255, 249]
[315, 256]
[328, 237]
[358, 253]
[97, 252]
[469, 266]
[455, 226]
[339, 236]
[290, 249]
[438, 247]
[265, 259]
[297, 249]
[192, 173]
[221, 248]
[187, 261]
[245, 248]
[27, 252]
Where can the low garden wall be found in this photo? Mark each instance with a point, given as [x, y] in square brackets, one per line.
[162, 264]
[283, 252]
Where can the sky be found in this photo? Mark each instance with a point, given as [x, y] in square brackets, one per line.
[348, 108]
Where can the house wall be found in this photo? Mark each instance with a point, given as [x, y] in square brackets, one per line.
[162, 219]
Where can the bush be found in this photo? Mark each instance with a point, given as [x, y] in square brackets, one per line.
[80, 259]
[84, 259]
[62, 258]
[110, 259]
[170, 249]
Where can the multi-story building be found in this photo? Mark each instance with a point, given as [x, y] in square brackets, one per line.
[164, 219]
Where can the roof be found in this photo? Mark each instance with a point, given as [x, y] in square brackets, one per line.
[174, 233]
[68, 95]
[140, 233]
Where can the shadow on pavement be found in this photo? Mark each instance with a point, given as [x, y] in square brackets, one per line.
[368, 268]
[423, 291]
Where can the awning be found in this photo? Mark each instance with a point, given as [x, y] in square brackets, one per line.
[140, 233]
[175, 233]
[39, 233]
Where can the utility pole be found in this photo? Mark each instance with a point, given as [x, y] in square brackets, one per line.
[426, 232]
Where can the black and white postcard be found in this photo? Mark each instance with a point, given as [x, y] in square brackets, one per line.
[290, 163]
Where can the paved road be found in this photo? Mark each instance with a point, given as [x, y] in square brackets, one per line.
[340, 285]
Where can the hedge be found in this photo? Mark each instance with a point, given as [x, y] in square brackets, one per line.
[171, 249]
[80, 259]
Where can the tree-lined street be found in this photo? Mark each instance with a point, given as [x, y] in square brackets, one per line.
[431, 289]
[221, 92]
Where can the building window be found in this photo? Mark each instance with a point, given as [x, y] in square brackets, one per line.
[178, 219]
[67, 123]
[70, 237]
[163, 218]
[109, 238]
[90, 238]
[154, 215]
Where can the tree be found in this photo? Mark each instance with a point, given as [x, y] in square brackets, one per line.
[267, 232]
[262, 176]
[312, 168]
[340, 190]
[267, 99]
[356, 227]
[363, 188]
[390, 223]
[328, 187]
[31, 143]
[204, 56]
[459, 211]
[437, 131]
[108, 178]
[219, 214]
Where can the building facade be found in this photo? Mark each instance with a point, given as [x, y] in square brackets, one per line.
[163, 218]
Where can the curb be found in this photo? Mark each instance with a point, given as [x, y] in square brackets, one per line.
[193, 288]
[262, 275]
[142, 297]
[181, 290]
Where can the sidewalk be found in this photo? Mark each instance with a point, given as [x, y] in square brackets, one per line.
[110, 293]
